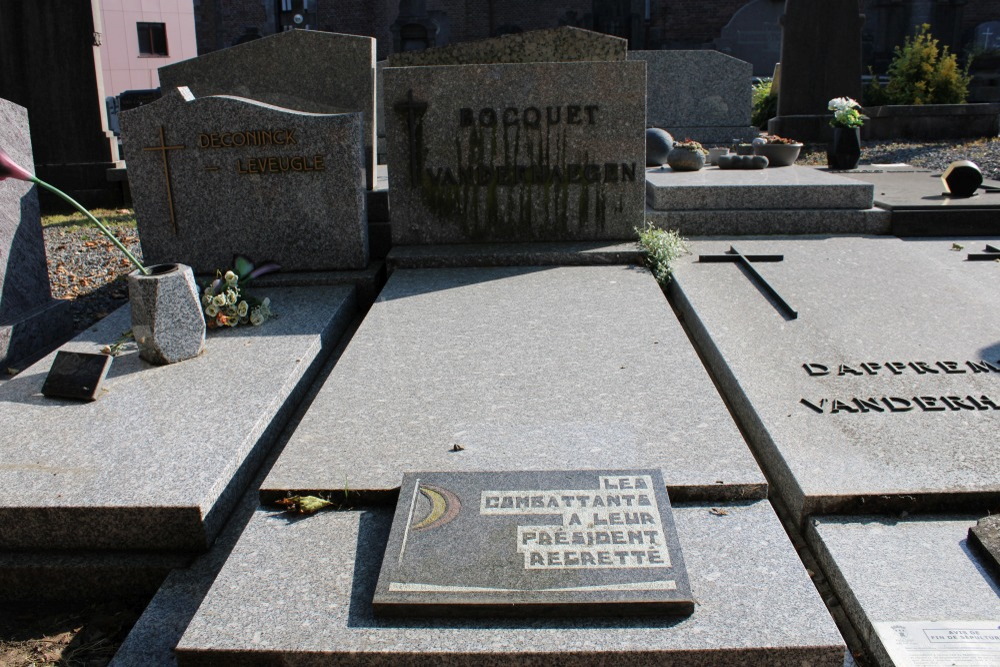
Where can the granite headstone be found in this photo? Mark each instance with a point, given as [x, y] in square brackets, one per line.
[516, 152]
[704, 95]
[820, 60]
[753, 34]
[304, 70]
[547, 543]
[216, 176]
[563, 44]
[987, 36]
[29, 318]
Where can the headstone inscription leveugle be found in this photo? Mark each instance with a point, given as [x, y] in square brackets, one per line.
[29, 318]
[557, 542]
[341, 76]
[516, 152]
[216, 176]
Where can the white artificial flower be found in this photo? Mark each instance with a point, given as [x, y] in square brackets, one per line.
[230, 297]
[256, 318]
[206, 299]
[231, 278]
[243, 308]
[212, 310]
[219, 300]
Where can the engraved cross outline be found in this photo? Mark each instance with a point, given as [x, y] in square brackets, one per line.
[413, 110]
[163, 148]
[744, 261]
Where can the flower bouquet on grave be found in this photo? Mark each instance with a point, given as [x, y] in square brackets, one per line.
[225, 302]
[845, 150]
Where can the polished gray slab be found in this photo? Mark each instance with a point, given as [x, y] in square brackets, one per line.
[523, 368]
[299, 591]
[783, 188]
[884, 392]
[157, 460]
[899, 576]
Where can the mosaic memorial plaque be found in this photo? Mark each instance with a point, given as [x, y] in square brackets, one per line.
[547, 543]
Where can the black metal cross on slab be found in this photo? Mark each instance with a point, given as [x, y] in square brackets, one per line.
[413, 110]
[991, 252]
[735, 256]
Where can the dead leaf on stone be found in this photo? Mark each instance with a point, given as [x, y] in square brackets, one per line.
[303, 504]
[718, 511]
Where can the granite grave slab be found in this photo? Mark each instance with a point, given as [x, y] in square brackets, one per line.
[217, 176]
[882, 394]
[341, 76]
[555, 543]
[913, 588]
[157, 461]
[789, 200]
[515, 152]
[919, 206]
[985, 536]
[300, 592]
[29, 318]
[702, 95]
[563, 44]
[524, 368]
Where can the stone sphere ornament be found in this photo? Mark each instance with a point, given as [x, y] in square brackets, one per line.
[658, 146]
[167, 320]
[961, 179]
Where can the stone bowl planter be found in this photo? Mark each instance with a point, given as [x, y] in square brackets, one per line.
[685, 159]
[167, 320]
[779, 155]
[715, 153]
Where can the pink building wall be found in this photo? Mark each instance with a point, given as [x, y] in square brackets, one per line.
[123, 67]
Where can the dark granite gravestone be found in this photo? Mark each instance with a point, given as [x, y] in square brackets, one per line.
[820, 60]
[516, 152]
[341, 76]
[546, 543]
[29, 318]
[218, 176]
[985, 535]
[753, 34]
[565, 44]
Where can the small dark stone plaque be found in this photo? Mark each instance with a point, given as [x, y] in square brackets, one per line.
[985, 537]
[76, 375]
[543, 543]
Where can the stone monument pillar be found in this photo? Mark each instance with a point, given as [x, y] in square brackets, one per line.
[820, 60]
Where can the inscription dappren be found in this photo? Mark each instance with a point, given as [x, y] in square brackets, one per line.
[894, 404]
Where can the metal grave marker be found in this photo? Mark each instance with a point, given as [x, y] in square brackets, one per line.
[547, 543]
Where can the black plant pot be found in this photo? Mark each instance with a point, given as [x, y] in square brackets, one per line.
[845, 150]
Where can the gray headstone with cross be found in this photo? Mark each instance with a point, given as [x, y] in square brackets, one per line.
[216, 176]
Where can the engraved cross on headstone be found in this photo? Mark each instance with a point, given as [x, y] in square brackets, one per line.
[413, 110]
[163, 148]
[744, 261]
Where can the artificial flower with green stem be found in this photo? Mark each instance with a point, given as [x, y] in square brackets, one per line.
[846, 113]
[10, 169]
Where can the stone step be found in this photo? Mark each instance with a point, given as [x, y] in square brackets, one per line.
[517, 368]
[779, 188]
[302, 589]
[785, 222]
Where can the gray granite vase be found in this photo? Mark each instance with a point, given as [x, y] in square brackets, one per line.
[167, 320]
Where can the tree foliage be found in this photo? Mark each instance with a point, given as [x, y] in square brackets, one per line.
[921, 72]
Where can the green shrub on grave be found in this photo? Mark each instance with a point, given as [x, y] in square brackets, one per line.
[921, 72]
[765, 105]
[874, 93]
[662, 247]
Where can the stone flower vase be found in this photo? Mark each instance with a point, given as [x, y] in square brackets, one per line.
[779, 155]
[167, 320]
[685, 159]
[844, 151]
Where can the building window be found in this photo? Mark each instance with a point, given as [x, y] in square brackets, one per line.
[152, 39]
